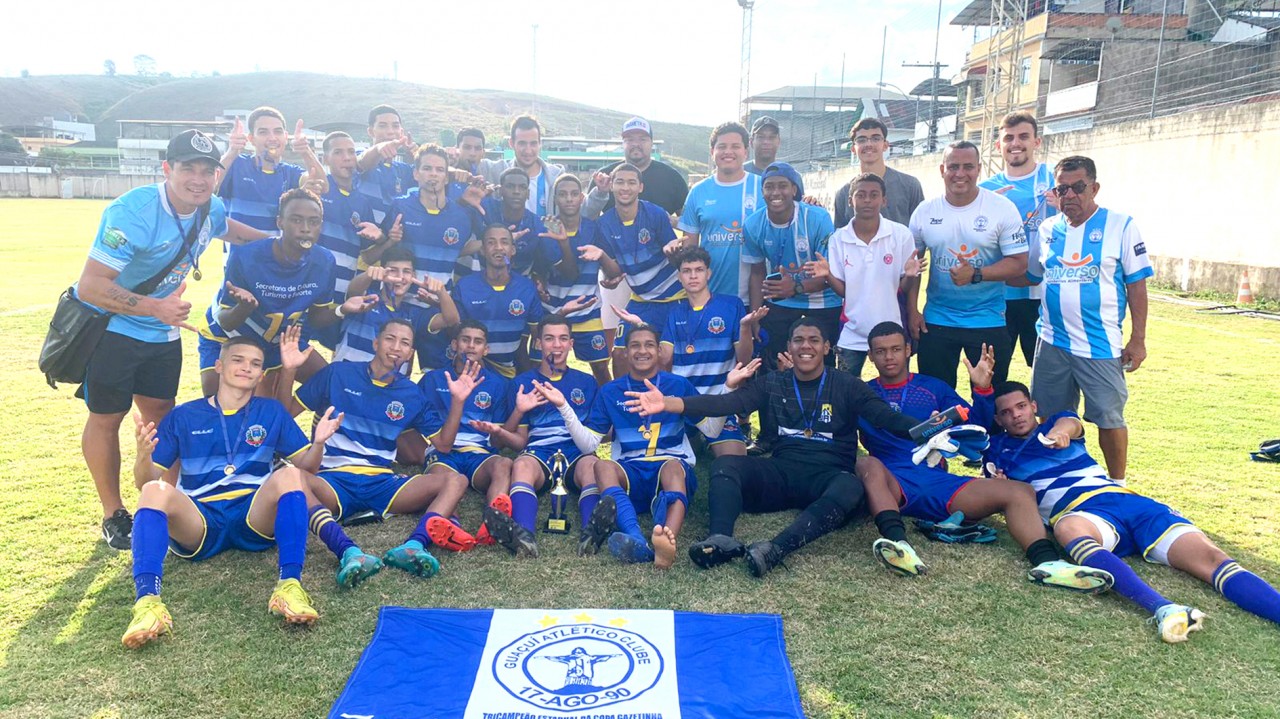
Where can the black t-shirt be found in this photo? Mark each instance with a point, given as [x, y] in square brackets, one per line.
[664, 186]
[832, 415]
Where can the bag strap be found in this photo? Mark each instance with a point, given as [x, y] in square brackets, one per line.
[146, 288]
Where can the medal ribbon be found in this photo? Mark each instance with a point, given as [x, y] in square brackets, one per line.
[809, 418]
[226, 438]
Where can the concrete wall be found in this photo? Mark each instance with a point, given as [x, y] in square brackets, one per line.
[1201, 186]
[104, 185]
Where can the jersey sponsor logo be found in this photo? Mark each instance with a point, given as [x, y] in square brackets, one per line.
[451, 236]
[644, 235]
[577, 396]
[1140, 248]
[255, 435]
[395, 411]
[114, 238]
[1095, 236]
[825, 414]
[964, 254]
[200, 143]
[980, 223]
[597, 341]
[516, 308]
[935, 220]
[484, 400]
[1073, 271]
[716, 325]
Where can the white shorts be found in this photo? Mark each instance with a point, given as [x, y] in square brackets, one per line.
[619, 296]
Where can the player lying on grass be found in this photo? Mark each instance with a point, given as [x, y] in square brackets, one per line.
[225, 496]
[271, 284]
[650, 464]
[378, 404]
[1098, 521]
[816, 411]
[930, 492]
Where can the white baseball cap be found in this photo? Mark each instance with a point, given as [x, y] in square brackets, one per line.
[637, 123]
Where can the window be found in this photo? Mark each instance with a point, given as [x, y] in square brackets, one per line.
[1026, 71]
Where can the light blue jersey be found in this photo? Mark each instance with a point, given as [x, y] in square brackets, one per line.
[1029, 194]
[786, 248]
[1085, 272]
[140, 235]
[702, 341]
[718, 213]
[658, 437]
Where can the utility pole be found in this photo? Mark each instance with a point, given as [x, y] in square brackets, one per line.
[744, 73]
[534, 110]
[933, 105]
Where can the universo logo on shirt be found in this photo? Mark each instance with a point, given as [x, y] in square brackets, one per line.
[1077, 270]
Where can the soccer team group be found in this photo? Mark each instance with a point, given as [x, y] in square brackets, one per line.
[486, 274]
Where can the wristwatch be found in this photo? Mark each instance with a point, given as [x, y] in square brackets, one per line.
[977, 276]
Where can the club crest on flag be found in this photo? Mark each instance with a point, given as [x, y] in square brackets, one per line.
[255, 435]
[395, 411]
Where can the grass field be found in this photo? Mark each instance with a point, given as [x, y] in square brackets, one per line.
[974, 638]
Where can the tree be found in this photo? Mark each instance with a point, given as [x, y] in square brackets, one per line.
[109, 68]
[144, 65]
[448, 138]
[9, 143]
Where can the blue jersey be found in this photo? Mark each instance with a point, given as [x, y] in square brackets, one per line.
[654, 438]
[534, 253]
[1086, 272]
[375, 413]
[547, 432]
[786, 248]
[710, 331]
[918, 398]
[586, 282]
[343, 213]
[718, 212]
[384, 183]
[1029, 194]
[1062, 478]
[490, 401]
[140, 234]
[637, 248]
[435, 236]
[247, 440]
[508, 312]
[252, 194]
[359, 329]
[285, 292]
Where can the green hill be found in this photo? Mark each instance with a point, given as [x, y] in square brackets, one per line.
[320, 99]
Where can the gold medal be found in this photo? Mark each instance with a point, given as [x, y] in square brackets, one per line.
[688, 349]
[229, 470]
[808, 433]
[196, 274]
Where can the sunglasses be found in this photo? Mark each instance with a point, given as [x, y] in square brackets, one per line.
[1077, 187]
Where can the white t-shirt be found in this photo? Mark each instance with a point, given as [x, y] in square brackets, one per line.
[871, 273]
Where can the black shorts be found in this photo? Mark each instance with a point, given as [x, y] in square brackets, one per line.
[123, 366]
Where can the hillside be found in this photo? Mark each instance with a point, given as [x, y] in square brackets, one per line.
[320, 99]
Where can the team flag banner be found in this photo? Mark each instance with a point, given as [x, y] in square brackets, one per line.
[571, 663]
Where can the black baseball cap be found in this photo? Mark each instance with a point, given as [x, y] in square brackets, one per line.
[192, 145]
[765, 121]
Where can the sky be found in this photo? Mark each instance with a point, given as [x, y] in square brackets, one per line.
[669, 60]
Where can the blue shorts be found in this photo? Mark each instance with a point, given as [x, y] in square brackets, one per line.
[654, 314]
[588, 342]
[927, 492]
[359, 492]
[544, 457]
[226, 526]
[464, 463]
[642, 480]
[1133, 524]
[210, 349]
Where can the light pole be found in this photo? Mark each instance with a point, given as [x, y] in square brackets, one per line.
[534, 110]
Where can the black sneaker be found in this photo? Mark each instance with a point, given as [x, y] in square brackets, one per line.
[603, 522]
[117, 530]
[366, 517]
[715, 550]
[510, 533]
[762, 557]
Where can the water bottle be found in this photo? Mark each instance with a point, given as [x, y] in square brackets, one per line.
[939, 422]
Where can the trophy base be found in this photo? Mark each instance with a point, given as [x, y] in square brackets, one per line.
[556, 526]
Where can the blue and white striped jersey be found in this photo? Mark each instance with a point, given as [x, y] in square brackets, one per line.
[702, 341]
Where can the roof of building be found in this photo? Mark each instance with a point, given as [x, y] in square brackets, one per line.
[849, 93]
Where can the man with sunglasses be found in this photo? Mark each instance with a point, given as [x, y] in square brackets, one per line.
[1092, 264]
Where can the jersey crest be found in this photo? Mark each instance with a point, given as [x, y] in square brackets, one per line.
[483, 400]
[716, 325]
[255, 435]
[577, 396]
[451, 236]
[516, 308]
[395, 411]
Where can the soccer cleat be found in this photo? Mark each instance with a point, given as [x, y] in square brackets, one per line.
[447, 535]
[629, 549]
[603, 522]
[150, 620]
[510, 534]
[715, 550]
[290, 601]
[899, 557]
[502, 503]
[117, 530]
[1072, 577]
[412, 558]
[356, 566]
[762, 557]
[1176, 621]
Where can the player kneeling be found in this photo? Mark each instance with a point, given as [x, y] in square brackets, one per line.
[1098, 521]
[225, 496]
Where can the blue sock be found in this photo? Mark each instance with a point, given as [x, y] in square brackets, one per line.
[291, 533]
[626, 513]
[587, 502]
[664, 502]
[329, 531]
[1244, 588]
[524, 504]
[150, 543]
[420, 532]
[1086, 552]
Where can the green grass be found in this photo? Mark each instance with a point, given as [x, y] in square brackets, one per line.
[971, 639]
